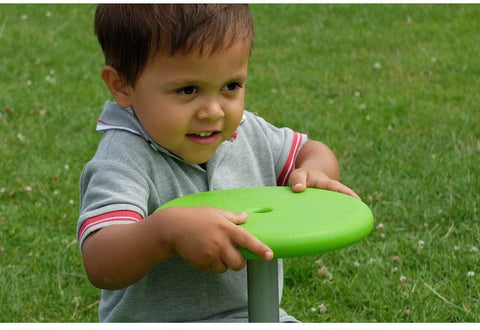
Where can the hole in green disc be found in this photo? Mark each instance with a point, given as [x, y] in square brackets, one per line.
[263, 210]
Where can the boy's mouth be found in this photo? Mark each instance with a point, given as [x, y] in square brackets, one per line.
[204, 137]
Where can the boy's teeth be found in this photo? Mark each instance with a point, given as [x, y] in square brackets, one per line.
[202, 134]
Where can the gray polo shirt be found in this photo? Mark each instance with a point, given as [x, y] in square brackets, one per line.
[130, 176]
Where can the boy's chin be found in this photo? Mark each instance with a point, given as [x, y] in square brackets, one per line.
[198, 160]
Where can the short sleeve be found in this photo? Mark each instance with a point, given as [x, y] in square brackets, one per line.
[285, 145]
[110, 193]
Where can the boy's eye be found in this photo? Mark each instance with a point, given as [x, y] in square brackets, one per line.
[232, 87]
[188, 90]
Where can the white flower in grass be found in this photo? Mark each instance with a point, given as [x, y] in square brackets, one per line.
[49, 79]
[380, 226]
[3, 190]
[322, 308]
[403, 279]
[474, 249]
[471, 273]
[20, 137]
[28, 188]
[421, 244]
[71, 202]
[377, 65]
[323, 272]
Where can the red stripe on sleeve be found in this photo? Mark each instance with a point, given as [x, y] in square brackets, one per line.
[290, 163]
[128, 216]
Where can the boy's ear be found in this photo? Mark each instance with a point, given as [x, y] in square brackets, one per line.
[117, 86]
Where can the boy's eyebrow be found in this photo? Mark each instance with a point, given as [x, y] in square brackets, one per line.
[186, 82]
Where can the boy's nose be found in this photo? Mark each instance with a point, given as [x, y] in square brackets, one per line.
[210, 110]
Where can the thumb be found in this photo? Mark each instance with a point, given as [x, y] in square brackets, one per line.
[298, 180]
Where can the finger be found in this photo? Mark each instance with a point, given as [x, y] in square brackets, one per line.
[298, 181]
[235, 217]
[349, 192]
[218, 267]
[244, 239]
[233, 259]
[341, 188]
[324, 182]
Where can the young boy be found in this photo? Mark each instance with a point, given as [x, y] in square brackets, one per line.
[177, 127]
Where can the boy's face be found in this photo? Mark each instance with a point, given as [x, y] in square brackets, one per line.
[189, 104]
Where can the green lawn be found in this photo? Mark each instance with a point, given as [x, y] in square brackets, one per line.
[392, 89]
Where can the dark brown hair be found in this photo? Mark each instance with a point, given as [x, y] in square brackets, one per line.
[131, 34]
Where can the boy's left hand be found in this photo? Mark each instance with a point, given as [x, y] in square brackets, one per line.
[301, 178]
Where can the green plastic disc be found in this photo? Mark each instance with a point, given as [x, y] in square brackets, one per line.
[291, 224]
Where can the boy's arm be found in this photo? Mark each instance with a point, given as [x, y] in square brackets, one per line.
[316, 166]
[119, 255]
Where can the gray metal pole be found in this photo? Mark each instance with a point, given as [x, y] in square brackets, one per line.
[263, 298]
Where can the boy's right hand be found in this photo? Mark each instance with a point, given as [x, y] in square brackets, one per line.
[208, 237]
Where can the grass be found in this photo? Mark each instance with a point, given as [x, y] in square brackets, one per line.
[392, 89]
